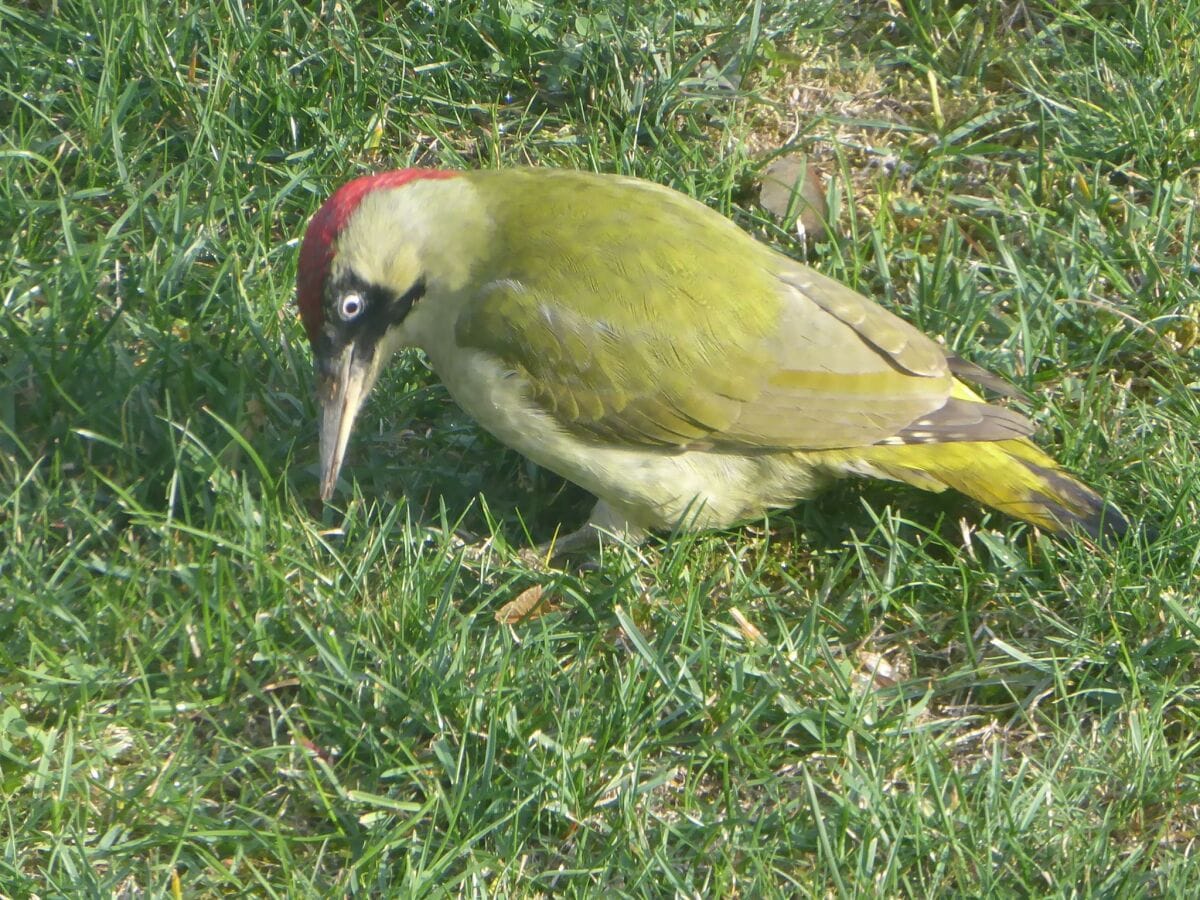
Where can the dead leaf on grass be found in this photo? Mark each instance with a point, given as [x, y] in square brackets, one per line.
[525, 607]
[792, 192]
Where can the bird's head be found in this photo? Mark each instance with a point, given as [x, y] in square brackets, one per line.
[370, 256]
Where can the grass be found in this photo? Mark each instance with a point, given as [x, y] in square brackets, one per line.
[211, 685]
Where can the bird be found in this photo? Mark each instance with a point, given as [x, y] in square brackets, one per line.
[643, 346]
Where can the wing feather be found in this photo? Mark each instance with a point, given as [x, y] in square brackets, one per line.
[697, 335]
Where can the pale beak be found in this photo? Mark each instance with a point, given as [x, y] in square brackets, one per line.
[342, 386]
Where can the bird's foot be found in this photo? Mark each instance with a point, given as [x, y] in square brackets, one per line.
[605, 526]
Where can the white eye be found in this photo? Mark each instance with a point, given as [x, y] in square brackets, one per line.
[351, 306]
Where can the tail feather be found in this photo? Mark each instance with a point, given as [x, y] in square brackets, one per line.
[1013, 476]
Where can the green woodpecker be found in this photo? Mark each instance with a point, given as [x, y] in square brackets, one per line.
[644, 347]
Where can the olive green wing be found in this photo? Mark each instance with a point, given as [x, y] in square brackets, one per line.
[666, 325]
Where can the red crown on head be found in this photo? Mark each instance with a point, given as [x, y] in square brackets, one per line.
[316, 251]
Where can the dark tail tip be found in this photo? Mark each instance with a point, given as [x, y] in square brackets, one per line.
[1108, 524]
[1078, 508]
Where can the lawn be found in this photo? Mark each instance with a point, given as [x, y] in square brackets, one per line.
[212, 684]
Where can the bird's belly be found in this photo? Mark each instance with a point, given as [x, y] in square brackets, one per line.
[653, 488]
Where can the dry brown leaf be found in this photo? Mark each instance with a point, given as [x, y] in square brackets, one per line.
[876, 672]
[525, 607]
[748, 629]
[795, 174]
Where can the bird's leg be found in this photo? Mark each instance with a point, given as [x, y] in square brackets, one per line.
[605, 523]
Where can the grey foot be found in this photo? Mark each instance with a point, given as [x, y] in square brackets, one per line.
[604, 525]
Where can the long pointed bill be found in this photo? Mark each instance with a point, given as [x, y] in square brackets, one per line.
[341, 391]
